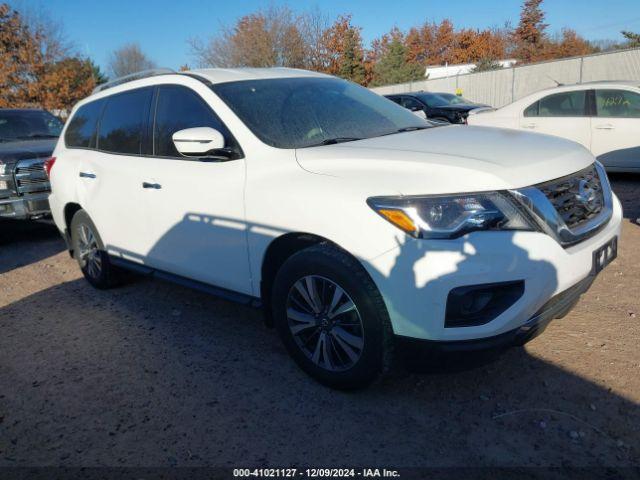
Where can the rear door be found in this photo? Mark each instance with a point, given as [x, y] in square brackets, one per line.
[197, 204]
[616, 128]
[111, 174]
[564, 114]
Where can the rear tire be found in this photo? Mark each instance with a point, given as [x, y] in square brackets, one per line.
[331, 317]
[90, 254]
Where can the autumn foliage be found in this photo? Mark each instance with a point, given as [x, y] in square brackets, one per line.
[34, 76]
[278, 37]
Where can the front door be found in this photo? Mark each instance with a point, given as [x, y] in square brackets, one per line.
[196, 205]
[562, 114]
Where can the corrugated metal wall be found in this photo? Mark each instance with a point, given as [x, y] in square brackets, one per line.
[500, 87]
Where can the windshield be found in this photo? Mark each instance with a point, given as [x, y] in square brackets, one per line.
[443, 99]
[303, 112]
[26, 124]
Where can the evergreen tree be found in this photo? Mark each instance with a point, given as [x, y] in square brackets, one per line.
[633, 39]
[351, 63]
[392, 67]
[530, 36]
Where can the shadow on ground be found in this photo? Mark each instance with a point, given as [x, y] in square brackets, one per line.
[25, 242]
[137, 377]
[627, 187]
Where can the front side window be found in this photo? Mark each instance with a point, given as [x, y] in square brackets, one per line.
[28, 124]
[178, 108]
[566, 104]
[82, 128]
[122, 124]
[618, 103]
[303, 112]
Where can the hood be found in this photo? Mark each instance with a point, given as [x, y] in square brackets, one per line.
[13, 151]
[449, 159]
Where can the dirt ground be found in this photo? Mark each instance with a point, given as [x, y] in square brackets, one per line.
[153, 374]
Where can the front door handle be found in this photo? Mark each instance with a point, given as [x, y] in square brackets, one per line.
[87, 175]
[530, 125]
[155, 186]
[606, 126]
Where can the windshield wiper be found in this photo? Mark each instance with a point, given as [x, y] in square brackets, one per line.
[333, 141]
[407, 129]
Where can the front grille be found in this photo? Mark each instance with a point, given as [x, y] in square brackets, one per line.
[31, 177]
[577, 198]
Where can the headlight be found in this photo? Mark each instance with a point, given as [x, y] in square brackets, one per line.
[451, 216]
[3, 168]
[4, 185]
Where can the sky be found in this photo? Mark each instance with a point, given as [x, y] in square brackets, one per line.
[163, 27]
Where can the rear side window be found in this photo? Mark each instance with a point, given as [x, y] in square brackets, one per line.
[178, 108]
[122, 124]
[82, 128]
[566, 104]
[618, 103]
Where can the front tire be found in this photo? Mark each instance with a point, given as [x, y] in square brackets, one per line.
[90, 254]
[331, 317]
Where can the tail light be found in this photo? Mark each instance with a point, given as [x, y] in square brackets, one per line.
[48, 165]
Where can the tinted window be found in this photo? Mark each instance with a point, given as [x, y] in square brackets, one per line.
[26, 124]
[179, 108]
[122, 123]
[532, 111]
[618, 103]
[410, 103]
[567, 104]
[82, 127]
[301, 112]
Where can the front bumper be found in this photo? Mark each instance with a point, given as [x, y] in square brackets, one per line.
[415, 280]
[25, 207]
[557, 307]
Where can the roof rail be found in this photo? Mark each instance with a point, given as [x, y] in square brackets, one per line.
[131, 77]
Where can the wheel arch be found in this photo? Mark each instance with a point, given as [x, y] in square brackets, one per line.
[70, 209]
[278, 251]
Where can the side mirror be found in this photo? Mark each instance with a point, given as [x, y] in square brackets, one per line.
[420, 113]
[198, 142]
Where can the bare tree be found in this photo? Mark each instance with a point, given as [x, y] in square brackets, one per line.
[47, 31]
[266, 38]
[128, 59]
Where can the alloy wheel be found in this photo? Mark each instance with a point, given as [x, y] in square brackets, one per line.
[325, 323]
[88, 251]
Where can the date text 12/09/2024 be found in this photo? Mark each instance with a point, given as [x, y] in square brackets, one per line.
[315, 473]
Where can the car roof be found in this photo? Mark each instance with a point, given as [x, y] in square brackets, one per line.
[222, 75]
[591, 85]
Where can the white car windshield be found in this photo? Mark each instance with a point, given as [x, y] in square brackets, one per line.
[304, 112]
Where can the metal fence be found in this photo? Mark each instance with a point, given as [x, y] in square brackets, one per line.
[500, 87]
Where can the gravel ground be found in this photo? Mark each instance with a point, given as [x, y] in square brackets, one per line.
[153, 374]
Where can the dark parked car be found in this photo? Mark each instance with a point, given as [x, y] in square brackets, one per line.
[443, 107]
[27, 139]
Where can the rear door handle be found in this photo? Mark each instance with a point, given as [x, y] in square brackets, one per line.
[606, 126]
[530, 125]
[155, 186]
[87, 175]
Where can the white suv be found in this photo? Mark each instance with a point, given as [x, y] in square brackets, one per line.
[359, 227]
